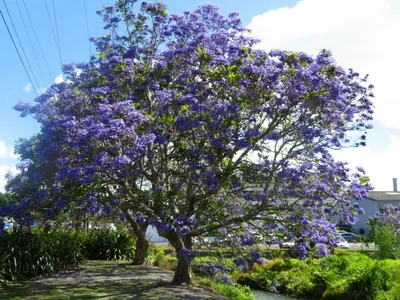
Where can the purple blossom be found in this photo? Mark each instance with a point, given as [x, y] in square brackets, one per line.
[322, 250]
[187, 254]
[49, 213]
[247, 240]
[184, 230]
[240, 263]
[94, 208]
[243, 144]
[251, 132]
[255, 255]
[301, 250]
[60, 204]
[224, 278]
[140, 219]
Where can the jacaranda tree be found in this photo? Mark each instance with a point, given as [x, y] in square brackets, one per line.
[29, 187]
[20, 186]
[181, 122]
[384, 229]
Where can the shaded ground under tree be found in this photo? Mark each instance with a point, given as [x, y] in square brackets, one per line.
[108, 280]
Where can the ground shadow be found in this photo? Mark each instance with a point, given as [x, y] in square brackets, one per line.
[107, 280]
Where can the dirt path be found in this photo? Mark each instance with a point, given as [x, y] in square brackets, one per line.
[107, 280]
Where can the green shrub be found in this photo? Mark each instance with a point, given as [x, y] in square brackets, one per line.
[366, 283]
[4, 258]
[33, 253]
[392, 294]
[162, 259]
[159, 258]
[109, 245]
[388, 242]
[345, 275]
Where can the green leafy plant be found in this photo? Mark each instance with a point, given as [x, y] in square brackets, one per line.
[30, 254]
[345, 275]
[109, 245]
[384, 230]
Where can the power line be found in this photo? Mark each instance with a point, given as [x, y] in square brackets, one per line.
[53, 31]
[37, 40]
[20, 44]
[30, 43]
[87, 28]
[55, 22]
[19, 55]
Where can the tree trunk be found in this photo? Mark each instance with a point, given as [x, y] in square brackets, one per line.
[182, 271]
[179, 242]
[142, 245]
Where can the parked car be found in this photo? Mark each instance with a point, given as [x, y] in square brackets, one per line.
[343, 245]
[349, 236]
[287, 245]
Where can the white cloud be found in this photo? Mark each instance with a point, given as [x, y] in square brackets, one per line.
[12, 154]
[3, 149]
[362, 34]
[28, 87]
[59, 79]
[6, 152]
[3, 171]
[380, 166]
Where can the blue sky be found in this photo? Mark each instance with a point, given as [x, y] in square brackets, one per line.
[362, 34]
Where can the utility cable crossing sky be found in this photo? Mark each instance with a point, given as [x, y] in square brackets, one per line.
[16, 49]
[23, 54]
[21, 46]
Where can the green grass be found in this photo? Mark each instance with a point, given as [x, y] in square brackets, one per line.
[231, 291]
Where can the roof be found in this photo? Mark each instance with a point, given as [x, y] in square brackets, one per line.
[384, 196]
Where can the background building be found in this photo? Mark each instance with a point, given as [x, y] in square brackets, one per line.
[374, 203]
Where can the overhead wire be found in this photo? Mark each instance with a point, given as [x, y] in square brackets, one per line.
[56, 25]
[19, 55]
[31, 44]
[87, 28]
[53, 31]
[37, 40]
[21, 45]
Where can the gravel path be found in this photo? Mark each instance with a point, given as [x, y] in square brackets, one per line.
[108, 280]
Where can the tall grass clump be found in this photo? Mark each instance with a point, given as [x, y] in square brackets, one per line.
[27, 254]
[109, 245]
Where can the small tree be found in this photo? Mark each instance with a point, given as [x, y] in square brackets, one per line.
[188, 127]
[384, 230]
